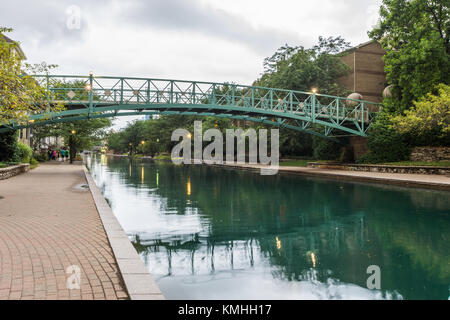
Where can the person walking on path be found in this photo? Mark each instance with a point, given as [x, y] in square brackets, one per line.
[64, 154]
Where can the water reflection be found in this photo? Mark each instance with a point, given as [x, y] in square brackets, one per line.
[216, 233]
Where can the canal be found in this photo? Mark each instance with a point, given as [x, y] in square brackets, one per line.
[216, 233]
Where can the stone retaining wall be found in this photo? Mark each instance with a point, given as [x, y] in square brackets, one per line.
[382, 168]
[430, 154]
[12, 171]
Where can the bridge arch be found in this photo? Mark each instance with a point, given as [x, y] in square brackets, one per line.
[99, 97]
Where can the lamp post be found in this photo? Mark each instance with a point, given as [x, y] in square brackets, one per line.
[71, 145]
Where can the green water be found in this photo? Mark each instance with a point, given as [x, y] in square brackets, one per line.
[214, 233]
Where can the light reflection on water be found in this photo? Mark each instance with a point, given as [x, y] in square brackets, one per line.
[210, 233]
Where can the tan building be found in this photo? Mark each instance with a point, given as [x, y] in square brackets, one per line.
[367, 76]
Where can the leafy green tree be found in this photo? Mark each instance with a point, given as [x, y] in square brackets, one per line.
[80, 134]
[134, 135]
[297, 68]
[416, 37]
[428, 122]
[20, 94]
[116, 141]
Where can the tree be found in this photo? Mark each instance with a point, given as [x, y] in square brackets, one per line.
[20, 94]
[416, 37]
[80, 134]
[429, 120]
[134, 135]
[297, 68]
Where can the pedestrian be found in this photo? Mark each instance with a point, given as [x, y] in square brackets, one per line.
[54, 154]
[49, 153]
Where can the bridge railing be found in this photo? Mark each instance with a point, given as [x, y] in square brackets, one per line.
[93, 92]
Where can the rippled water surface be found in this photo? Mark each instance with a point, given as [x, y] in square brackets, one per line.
[214, 233]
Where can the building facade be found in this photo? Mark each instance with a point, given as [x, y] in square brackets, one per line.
[367, 76]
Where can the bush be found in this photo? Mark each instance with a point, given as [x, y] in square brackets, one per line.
[34, 162]
[428, 121]
[41, 157]
[8, 146]
[385, 143]
[325, 149]
[25, 152]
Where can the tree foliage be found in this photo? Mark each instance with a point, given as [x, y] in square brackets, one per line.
[429, 120]
[416, 37]
[9, 151]
[20, 94]
[156, 133]
[297, 68]
[385, 143]
[78, 135]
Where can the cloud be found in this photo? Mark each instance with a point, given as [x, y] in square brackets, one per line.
[193, 16]
[210, 40]
[41, 22]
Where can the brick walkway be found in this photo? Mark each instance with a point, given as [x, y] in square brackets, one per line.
[47, 225]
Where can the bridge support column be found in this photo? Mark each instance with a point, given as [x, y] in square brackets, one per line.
[359, 145]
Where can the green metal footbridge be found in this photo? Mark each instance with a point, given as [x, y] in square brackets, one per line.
[98, 97]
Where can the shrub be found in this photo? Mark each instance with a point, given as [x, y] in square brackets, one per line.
[41, 157]
[428, 121]
[325, 149]
[33, 162]
[25, 152]
[8, 146]
[385, 143]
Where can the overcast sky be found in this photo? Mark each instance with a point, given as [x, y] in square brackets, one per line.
[208, 40]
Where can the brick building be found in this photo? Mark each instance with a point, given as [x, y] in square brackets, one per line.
[367, 76]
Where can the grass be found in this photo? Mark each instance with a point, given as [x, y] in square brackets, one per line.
[34, 165]
[295, 163]
[7, 164]
[420, 163]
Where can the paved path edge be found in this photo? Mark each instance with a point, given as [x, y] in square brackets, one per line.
[138, 281]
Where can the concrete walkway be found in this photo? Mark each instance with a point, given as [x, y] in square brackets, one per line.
[403, 179]
[48, 224]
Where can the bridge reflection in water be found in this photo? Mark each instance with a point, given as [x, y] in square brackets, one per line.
[237, 248]
[220, 233]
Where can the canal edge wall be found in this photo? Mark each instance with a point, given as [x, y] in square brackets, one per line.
[138, 281]
[353, 176]
[381, 168]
